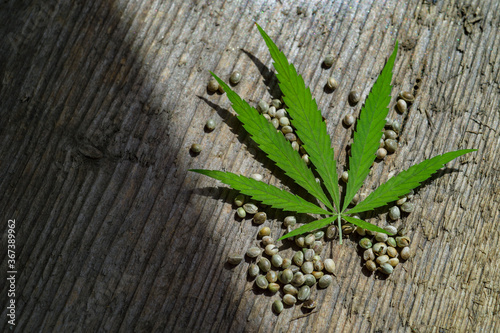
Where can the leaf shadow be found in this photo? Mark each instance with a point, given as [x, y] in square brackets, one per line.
[270, 79]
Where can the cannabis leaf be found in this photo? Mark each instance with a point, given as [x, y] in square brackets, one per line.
[311, 129]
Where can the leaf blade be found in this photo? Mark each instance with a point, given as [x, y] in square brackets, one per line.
[405, 181]
[309, 227]
[274, 144]
[306, 118]
[369, 130]
[363, 224]
[268, 194]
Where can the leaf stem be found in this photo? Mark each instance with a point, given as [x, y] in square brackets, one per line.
[340, 229]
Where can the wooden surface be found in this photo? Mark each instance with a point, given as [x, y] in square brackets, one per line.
[100, 102]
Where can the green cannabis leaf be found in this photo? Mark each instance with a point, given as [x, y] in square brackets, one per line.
[311, 130]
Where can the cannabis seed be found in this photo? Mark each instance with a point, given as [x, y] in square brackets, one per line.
[371, 265]
[392, 252]
[256, 176]
[275, 122]
[381, 237]
[379, 248]
[382, 259]
[310, 280]
[361, 231]
[241, 212]
[328, 61]
[286, 129]
[234, 258]
[272, 112]
[405, 253]
[407, 207]
[266, 240]
[305, 158]
[271, 249]
[290, 221]
[345, 176]
[407, 96]
[365, 243]
[309, 304]
[295, 146]
[253, 252]
[318, 265]
[277, 306]
[381, 153]
[349, 120]
[300, 241]
[239, 200]
[401, 201]
[276, 260]
[332, 84]
[221, 89]
[390, 134]
[264, 265]
[259, 218]
[253, 270]
[262, 282]
[262, 106]
[290, 290]
[286, 276]
[250, 208]
[298, 279]
[290, 137]
[286, 263]
[272, 276]
[368, 255]
[276, 103]
[392, 230]
[266, 231]
[289, 299]
[401, 106]
[304, 293]
[329, 265]
[210, 125]
[325, 281]
[317, 274]
[284, 121]
[402, 241]
[331, 232]
[298, 258]
[354, 97]
[281, 113]
[213, 85]
[393, 262]
[235, 78]
[391, 145]
[307, 267]
[196, 148]
[386, 268]
[391, 242]
[394, 213]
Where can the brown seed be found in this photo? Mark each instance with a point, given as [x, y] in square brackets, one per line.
[407, 96]
[354, 97]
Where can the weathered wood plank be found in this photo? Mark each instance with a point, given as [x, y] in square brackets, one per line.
[102, 100]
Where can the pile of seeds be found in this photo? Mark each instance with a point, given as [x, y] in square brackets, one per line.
[382, 252]
[293, 276]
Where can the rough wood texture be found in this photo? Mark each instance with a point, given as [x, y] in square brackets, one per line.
[101, 101]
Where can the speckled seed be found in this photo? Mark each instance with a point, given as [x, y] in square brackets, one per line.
[310, 280]
[401, 201]
[266, 240]
[381, 237]
[195, 148]
[287, 129]
[361, 231]
[319, 234]
[394, 213]
[298, 258]
[368, 255]
[392, 230]
[305, 158]
[325, 281]
[258, 218]
[210, 125]
[345, 176]
[234, 258]
[300, 241]
[331, 232]
[407, 96]
[381, 153]
[403, 241]
[266, 231]
[390, 134]
[261, 282]
[329, 265]
[317, 246]
[309, 304]
[268, 117]
[241, 212]
[391, 241]
[393, 262]
[294, 268]
[348, 229]
[328, 61]
[298, 279]
[272, 276]
[291, 137]
[405, 253]
[371, 265]
[213, 85]
[271, 249]
[318, 275]
[349, 120]
[221, 89]
[264, 265]
[286, 276]
[331, 83]
[253, 252]
[281, 113]
[250, 208]
[289, 299]
[407, 207]
[276, 103]
[289, 289]
[318, 265]
[304, 293]
[284, 121]
[309, 239]
[365, 243]
[354, 97]
[381, 259]
[391, 145]
[379, 249]
[263, 107]
[307, 267]
[396, 126]
[239, 200]
[276, 260]
[235, 78]
[277, 306]
[287, 262]
[256, 176]
[392, 252]
[401, 106]
[386, 268]
[253, 270]
[382, 144]
[295, 146]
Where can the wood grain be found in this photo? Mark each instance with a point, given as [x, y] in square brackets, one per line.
[101, 101]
